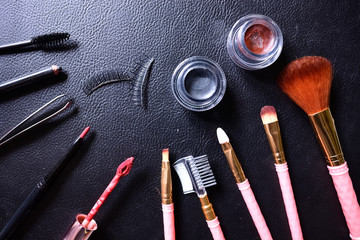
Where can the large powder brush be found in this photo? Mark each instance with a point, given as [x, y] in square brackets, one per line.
[307, 81]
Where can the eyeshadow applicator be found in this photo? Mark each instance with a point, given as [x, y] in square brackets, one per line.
[40, 189]
[244, 186]
[272, 130]
[307, 81]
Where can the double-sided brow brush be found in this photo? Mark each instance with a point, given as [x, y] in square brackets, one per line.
[166, 197]
[272, 130]
[307, 81]
[46, 41]
[40, 189]
[195, 175]
[244, 186]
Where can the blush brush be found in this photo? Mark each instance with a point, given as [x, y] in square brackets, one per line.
[195, 175]
[272, 130]
[307, 81]
[244, 186]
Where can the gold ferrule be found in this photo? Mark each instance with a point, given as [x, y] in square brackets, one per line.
[273, 134]
[324, 127]
[166, 185]
[233, 162]
[207, 208]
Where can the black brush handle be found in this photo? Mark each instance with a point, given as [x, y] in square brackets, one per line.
[24, 209]
[15, 45]
[28, 79]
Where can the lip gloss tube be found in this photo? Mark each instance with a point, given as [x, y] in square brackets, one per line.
[78, 232]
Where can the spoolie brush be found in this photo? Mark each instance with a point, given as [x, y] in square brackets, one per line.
[123, 170]
[46, 42]
[307, 81]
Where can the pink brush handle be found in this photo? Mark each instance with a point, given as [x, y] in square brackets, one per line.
[254, 210]
[347, 198]
[289, 201]
[169, 223]
[216, 232]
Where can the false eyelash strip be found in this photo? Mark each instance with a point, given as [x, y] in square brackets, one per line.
[141, 82]
[103, 79]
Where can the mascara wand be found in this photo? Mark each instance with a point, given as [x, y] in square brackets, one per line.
[46, 41]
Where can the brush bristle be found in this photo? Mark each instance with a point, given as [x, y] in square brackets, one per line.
[221, 135]
[52, 40]
[165, 155]
[268, 114]
[202, 172]
[307, 81]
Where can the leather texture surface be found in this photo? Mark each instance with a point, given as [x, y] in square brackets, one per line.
[115, 34]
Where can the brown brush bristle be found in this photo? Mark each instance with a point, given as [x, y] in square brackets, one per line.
[268, 114]
[307, 81]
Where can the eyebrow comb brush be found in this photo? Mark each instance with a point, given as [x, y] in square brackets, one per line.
[166, 197]
[244, 186]
[195, 175]
[272, 130]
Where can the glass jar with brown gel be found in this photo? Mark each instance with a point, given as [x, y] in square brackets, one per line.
[254, 42]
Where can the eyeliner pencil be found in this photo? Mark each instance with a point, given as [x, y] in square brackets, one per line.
[29, 79]
[40, 189]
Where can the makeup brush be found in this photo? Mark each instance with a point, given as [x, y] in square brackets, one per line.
[195, 175]
[40, 189]
[46, 41]
[29, 78]
[307, 81]
[123, 170]
[272, 130]
[166, 197]
[244, 186]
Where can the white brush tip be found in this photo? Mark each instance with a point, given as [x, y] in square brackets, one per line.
[222, 137]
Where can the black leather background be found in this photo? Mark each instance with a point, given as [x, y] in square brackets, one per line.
[112, 34]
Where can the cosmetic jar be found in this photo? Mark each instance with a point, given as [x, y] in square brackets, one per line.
[254, 42]
[78, 232]
[198, 83]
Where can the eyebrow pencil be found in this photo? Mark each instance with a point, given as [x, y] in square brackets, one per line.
[29, 78]
[40, 189]
[166, 197]
[272, 130]
[46, 41]
[307, 81]
[244, 186]
[195, 175]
